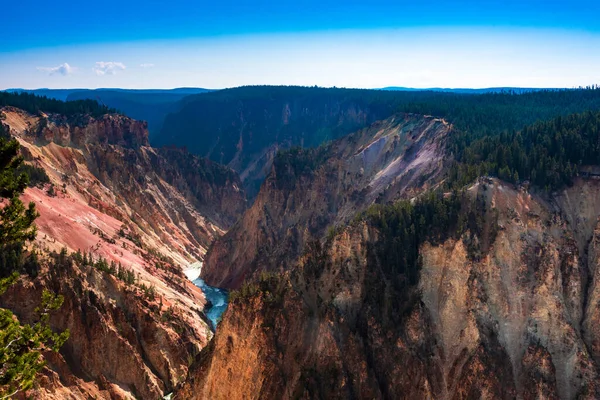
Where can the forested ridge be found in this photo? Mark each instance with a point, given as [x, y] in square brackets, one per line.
[515, 137]
[35, 104]
[491, 113]
[313, 113]
[548, 153]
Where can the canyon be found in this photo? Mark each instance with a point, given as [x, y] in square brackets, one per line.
[245, 127]
[390, 255]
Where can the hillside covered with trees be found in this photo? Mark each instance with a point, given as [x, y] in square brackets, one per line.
[34, 104]
[239, 127]
[548, 153]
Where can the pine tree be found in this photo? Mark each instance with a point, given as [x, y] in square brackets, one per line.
[20, 344]
[16, 221]
[20, 356]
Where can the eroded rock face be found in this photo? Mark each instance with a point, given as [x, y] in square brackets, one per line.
[310, 190]
[517, 321]
[78, 131]
[175, 202]
[120, 344]
[244, 127]
[152, 210]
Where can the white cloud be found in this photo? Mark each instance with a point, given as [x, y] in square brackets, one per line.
[63, 69]
[147, 65]
[108, 67]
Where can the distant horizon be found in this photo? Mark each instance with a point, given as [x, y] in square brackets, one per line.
[309, 86]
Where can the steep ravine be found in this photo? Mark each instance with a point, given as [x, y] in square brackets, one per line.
[217, 298]
[503, 323]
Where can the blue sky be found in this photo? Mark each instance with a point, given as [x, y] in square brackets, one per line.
[348, 43]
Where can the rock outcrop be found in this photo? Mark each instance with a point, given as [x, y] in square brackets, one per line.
[82, 130]
[515, 319]
[311, 190]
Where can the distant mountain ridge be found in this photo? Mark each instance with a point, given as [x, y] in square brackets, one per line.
[151, 105]
[63, 94]
[518, 90]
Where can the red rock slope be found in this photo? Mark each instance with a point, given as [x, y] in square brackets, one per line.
[155, 211]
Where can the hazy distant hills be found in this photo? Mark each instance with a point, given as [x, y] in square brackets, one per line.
[469, 91]
[63, 94]
[150, 105]
[153, 105]
[58, 94]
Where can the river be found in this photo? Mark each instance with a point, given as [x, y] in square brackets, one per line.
[217, 297]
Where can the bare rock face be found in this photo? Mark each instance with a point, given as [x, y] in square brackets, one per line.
[120, 344]
[81, 130]
[518, 320]
[591, 323]
[174, 202]
[311, 190]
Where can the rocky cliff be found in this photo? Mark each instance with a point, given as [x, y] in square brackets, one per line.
[81, 130]
[175, 202]
[507, 309]
[153, 211]
[123, 343]
[310, 190]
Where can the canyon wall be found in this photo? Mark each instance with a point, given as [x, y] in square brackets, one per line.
[244, 127]
[508, 313]
[310, 190]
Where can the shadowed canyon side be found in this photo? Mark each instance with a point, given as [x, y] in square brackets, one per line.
[310, 190]
[504, 306]
[134, 328]
[244, 127]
